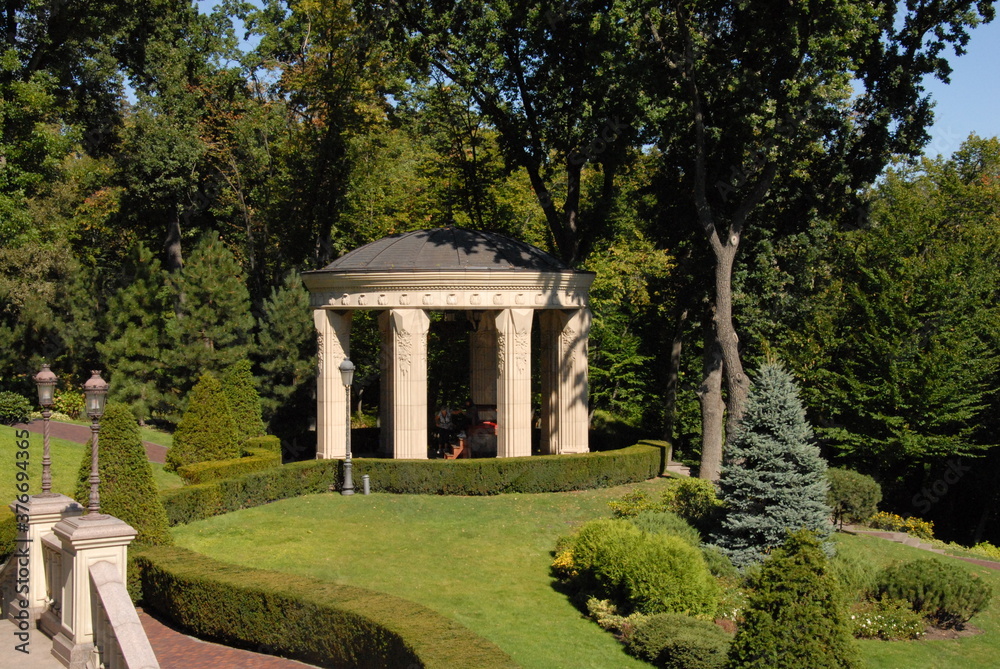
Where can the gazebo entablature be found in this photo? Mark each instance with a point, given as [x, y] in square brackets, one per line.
[501, 305]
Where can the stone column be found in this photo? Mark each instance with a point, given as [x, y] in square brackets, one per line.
[513, 382]
[37, 517]
[85, 541]
[565, 416]
[483, 359]
[333, 331]
[386, 368]
[408, 357]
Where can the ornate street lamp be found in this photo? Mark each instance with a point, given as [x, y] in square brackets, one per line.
[96, 391]
[347, 375]
[45, 380]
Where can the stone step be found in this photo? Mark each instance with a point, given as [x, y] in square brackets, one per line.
[679, 469]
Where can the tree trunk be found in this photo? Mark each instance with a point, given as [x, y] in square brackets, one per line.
[737, 383]
[673, 376]
[713, 409]
[173, 257]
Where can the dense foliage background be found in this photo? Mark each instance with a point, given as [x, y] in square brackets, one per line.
[167, 170]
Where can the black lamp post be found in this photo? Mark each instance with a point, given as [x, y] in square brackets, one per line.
[45, 380]
[347, 375]
[96, 391]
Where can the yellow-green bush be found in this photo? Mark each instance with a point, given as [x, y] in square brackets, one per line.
[917, 527]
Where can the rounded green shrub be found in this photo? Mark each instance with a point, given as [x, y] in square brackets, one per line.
[853, 497]
[244, 402]
[14, 408]
[649, 573]
[676, 641]
[719, 564]
[207, 430]
[795, 618]
[666, 523]
[127, 489]
[946, 596]
[694, 500]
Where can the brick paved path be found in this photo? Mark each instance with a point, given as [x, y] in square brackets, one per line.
[175, 650]
[81, 435]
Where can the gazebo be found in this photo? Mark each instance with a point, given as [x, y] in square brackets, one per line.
[500, 284]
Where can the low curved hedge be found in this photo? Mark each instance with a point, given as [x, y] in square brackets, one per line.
[259, 453]
[486, 476]
[326, 624]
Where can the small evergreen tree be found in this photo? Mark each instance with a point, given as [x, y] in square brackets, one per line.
[795, 618]
[774, 480]
[213, 324]
[207, 430]
[241, 391]
[127, 488]
[286, 350]
[133, 351]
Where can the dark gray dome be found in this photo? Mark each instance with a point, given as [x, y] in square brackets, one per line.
[446, 249]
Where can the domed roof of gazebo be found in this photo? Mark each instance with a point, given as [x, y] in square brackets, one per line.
[448, 268]
[443, 249]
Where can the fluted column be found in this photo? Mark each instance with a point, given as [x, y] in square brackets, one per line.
[386, 410]
[408, 330]
[565, 418]
[483, 359]
[513, 382]
[333, 332]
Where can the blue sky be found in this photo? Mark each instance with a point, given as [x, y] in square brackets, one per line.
[971, 103]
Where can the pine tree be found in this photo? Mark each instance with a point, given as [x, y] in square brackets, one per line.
[287, 351]
[207, 430]
[213, 324]
[127, 489]
[241, 391]
[134, 349]
[774, 480]
[795, 618]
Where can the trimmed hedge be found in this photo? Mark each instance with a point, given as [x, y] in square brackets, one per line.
[8, 533]
[487, 476]
[255, 459]
[319, 622]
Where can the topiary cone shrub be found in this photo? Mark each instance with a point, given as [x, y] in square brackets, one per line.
[244, 402]
[207, 430]
[127, 488]
[773, 480]
[795, 618]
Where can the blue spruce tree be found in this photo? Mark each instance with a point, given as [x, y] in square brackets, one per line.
[773, 481]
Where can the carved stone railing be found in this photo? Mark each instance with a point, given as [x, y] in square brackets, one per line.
[119, 639]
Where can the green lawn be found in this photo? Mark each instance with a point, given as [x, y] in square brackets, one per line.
[66, 459]
[974, 652]
[484, 562]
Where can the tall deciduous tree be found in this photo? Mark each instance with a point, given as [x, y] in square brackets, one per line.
[759, 122]
[555, 81]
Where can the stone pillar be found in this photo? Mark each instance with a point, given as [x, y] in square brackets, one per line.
[483, 359]
[565, 415]
[333, 332]
[85, 541]
[408, 331]
[386, 368]
[38, 516]
[513, 382]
